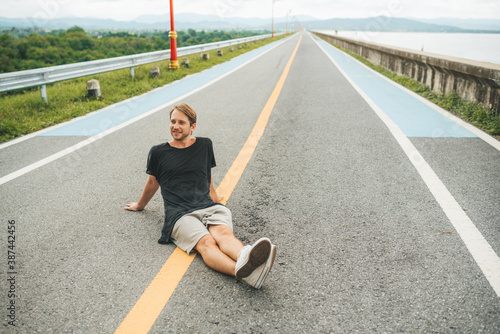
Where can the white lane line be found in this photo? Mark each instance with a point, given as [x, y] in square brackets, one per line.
[482, 252]
[60, 154]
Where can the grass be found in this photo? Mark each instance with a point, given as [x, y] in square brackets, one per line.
[474, 113]
[23, 111]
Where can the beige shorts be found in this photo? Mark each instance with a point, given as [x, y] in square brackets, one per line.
[190, 228]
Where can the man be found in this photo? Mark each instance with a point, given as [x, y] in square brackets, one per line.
[193, 217]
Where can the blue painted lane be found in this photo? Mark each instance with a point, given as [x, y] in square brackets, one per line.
[114, 115]
[414, 117]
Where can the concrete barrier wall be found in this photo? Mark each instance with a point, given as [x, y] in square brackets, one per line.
[472, 80]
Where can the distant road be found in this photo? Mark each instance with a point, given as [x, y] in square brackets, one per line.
[385, 212]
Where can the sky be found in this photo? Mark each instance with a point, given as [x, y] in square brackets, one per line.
[125, 10]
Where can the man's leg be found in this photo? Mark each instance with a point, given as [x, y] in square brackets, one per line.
[214, 257]
[251, 257]
[228, 243]
[223, 252]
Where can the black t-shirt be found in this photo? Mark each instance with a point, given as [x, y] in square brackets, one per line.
[184, 176]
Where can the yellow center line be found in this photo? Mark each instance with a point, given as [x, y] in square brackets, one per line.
[234, 173]
[149, 306]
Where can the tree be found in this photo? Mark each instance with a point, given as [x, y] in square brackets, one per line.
[5, 62]
[38, 41]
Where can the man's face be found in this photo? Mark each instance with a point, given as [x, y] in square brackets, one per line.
[179, 126]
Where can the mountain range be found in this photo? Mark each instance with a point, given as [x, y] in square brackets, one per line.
[384, 23]
[184, 21]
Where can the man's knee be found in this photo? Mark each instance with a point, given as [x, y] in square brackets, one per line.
[205, 243]
[220, 231]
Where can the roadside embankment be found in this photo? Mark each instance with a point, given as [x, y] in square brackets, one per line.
[474, 81]
[23, 111]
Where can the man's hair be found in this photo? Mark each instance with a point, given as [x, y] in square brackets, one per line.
[186, 110]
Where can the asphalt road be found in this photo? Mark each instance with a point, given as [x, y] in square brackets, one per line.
[363, 245]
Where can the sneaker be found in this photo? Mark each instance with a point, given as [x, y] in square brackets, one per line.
[250, 257]
[259, 275]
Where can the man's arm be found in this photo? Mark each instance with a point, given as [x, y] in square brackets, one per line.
[149, 190]
[213, 193]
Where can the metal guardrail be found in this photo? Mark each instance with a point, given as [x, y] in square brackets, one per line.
[43, 76]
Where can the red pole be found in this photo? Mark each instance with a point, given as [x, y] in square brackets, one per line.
[174, 63]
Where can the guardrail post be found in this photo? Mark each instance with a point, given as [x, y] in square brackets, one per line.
[132, 72]
[43, 93]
